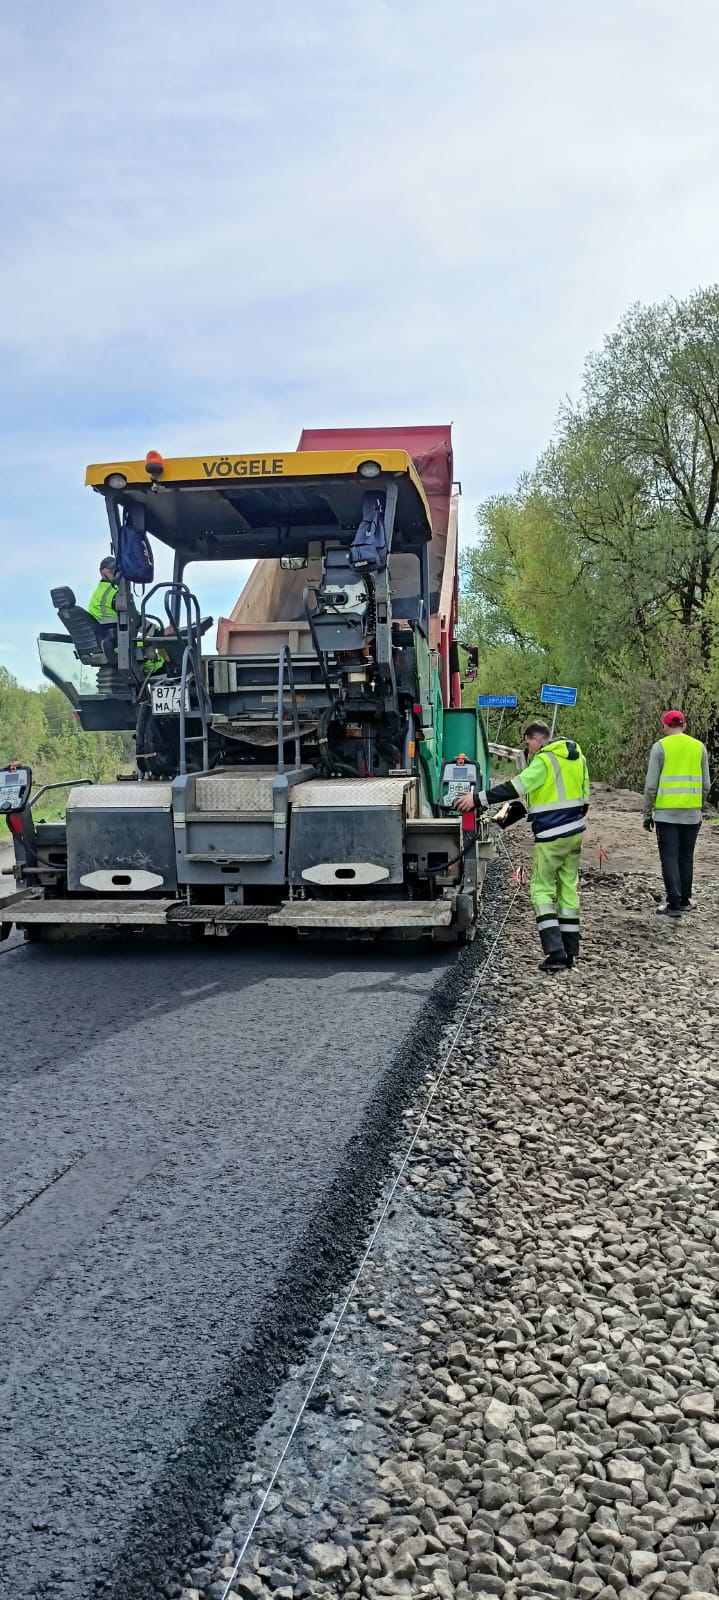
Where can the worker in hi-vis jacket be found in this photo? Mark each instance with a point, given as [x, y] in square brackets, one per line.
[101, 604]
[554, 790]
[677, 786]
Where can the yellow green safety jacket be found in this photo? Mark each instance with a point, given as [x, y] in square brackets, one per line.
[680, 783]
[555, 790]
[101, 604]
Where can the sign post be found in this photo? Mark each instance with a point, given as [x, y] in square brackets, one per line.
[501, 702]
[554, 694]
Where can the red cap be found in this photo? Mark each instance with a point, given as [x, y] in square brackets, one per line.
[671, 718]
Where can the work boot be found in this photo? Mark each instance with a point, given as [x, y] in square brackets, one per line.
[570, 940]
[550, 939]
[668, 911]
[554, 963]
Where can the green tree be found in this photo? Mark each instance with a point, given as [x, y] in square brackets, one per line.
[38, 726]
[22, 723]
[602, 567]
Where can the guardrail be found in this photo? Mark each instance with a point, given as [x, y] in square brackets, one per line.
[508, 752]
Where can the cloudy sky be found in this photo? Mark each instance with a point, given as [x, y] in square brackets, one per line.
[221, 223]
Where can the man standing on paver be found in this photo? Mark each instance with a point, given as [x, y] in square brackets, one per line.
[554, 789]
[677, 785]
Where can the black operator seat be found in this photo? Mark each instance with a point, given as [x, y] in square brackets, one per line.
[85, 632]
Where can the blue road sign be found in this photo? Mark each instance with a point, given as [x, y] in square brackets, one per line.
[496, 699]
[554, 695]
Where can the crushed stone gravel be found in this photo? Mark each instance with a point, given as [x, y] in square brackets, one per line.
[523, 1398]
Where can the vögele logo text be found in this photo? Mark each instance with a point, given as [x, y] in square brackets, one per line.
[244, 467]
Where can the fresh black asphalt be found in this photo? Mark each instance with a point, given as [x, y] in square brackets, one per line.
[190, 1145]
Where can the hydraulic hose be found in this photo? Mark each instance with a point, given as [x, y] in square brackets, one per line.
[331, 763]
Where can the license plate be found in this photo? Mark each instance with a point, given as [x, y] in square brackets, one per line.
[166, 699]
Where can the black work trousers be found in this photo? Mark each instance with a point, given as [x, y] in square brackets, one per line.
[676, 842]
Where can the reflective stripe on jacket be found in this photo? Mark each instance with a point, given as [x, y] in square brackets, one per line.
[101, 604]
[680, 785]
[555, 790]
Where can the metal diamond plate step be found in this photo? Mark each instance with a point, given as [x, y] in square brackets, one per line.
[354, 792]
[237, 794]
[245, 913]
[120, 796]
[243, 792]
[180, 914]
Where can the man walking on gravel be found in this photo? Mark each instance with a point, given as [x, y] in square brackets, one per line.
[554, 789]
[677, 785]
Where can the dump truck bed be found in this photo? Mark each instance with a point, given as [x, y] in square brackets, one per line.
[273, 598]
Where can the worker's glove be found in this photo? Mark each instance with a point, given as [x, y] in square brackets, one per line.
[648, 825]
[508, 814]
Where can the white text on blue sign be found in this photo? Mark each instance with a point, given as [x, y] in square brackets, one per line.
[555, 694]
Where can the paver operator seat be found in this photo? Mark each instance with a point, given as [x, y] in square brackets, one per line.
[94, 646]
[87, 634]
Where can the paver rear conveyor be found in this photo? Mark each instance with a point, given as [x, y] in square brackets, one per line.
[302, 776]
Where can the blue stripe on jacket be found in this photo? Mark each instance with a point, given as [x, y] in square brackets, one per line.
[547, 821]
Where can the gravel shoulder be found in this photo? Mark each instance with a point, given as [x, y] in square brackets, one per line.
[523, 1398]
